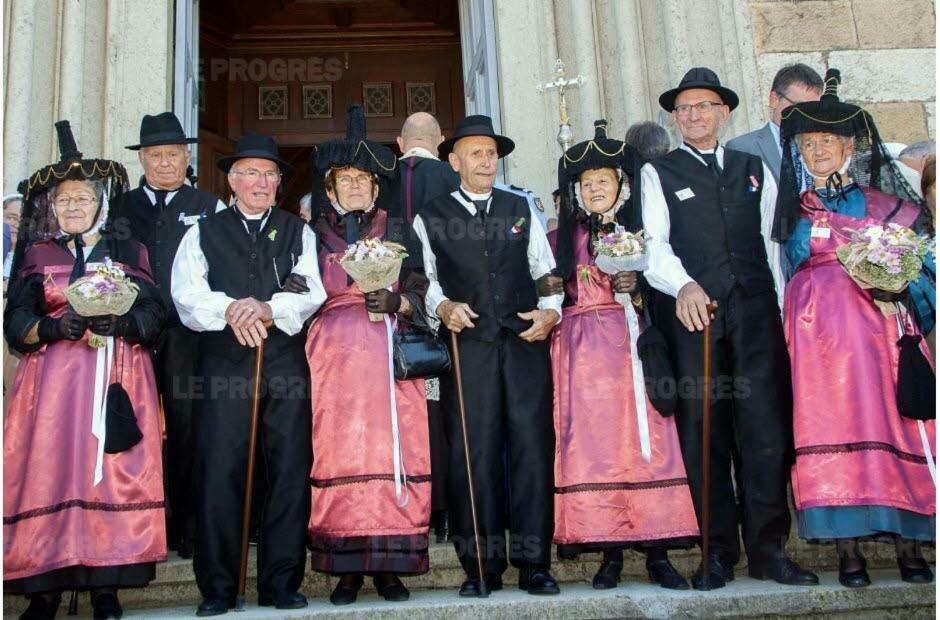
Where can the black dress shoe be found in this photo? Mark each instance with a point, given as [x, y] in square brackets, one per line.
[717, 576]
[185, 548]
[214, 607]
[106, 605]
[536, 580]
[346, 594]
[295, 600]
[915, 570]
[41, 607]
[391, 588]
[608, 575]
[857, 578]
[666, 575]
[783, 570]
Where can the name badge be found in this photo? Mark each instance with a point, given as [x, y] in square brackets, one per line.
[820, 232]
[189, 220]
[685, 194]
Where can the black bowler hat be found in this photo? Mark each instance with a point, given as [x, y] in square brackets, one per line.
[253, 145]
[699, 77]
[476, 125]
[164, 128]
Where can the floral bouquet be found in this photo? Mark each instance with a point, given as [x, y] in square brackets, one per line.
[886, 257]
[621, 251]
[374, 264]
[107, 291]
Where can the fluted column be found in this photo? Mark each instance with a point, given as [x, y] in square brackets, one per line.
[19, 76]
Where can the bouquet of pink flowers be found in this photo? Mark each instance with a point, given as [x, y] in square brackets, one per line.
[621, 250]
[373, 264]
[107, 291]
[886, 257]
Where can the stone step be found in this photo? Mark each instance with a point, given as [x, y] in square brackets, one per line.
[175, 582]
[887, 597]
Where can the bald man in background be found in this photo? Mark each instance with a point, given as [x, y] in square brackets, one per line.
[421, 178]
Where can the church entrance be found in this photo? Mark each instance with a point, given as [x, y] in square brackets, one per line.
[291, 68]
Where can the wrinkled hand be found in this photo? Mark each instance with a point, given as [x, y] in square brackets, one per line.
[253, 334]
[549, 285]
[383, 301]
[456, 316]
[295, 283]
[624, 281]
[69, 326]
[542, 323]
[246, 312]
[692, 307]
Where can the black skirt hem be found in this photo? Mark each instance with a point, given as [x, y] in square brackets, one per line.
[573, 550]
[84, 578]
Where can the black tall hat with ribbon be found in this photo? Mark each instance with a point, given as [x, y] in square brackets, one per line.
[598, 152]
[352, 151]
[38, 222]
[870, 164]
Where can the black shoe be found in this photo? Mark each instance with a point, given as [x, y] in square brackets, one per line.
[106, 605]
[535, 580]
[666, 575]
[391, 588]
[214, 607]
[185, 548]
[608, 575]
[718, 574]
[439, 525]
[783, 570]
[471, 587]
[295, 600]
[916, 570]
[41, 607]
[346, 594]
[857, 578]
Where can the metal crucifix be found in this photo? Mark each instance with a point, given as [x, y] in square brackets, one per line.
[561, 83]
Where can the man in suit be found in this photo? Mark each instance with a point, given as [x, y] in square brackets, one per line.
[792, 84]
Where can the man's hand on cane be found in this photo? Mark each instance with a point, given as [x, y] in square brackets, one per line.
[456, 316]
[245, 312]
[542, 323]
[253, 335]
[692, 307]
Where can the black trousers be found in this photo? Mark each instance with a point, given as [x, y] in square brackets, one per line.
[507, 392]
[752, 406]
[439, 454]
[284, 448]
[175, 367]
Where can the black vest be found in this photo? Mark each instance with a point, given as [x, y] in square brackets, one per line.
[487, 266]
[240, 267]
[162, 232]
[717, 232]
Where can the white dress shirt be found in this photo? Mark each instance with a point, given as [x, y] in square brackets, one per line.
[666, 272]
[201, 309]
[541, 259]
[220, 206]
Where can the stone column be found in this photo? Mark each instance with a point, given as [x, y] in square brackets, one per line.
[578, 47]
[16, 119]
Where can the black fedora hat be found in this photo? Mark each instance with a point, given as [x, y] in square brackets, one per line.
[699, 77]
[476, 125]
[254, 145]
[164, 128]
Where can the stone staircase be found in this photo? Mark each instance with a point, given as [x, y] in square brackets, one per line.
[174, 593]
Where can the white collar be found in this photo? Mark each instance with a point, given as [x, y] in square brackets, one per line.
[718, 151]
[153, 197]
[419, 151]
[473, 196]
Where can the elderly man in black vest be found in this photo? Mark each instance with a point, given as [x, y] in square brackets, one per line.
[158, 213]
[709, 213]
[227, 285]
[483, 250]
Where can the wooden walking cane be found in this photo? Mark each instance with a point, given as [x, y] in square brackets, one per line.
[484, 590]
[250, 477]
[706, 442]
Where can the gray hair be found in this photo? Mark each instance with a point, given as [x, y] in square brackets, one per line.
[649, 139]
[10, 198]
[97, 187]
[919, 150]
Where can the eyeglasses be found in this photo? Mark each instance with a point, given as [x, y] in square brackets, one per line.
[785, 98]
[82, 200]
[253, 175]
[349, 181]
[827, 142]
[702, 107]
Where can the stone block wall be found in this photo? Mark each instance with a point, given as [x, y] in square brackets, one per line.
[885, 49]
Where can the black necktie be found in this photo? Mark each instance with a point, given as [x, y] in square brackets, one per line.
[78, 267]
[254, 227]
[160, 196]
[481, 208]
[710, 159]
[351, 223]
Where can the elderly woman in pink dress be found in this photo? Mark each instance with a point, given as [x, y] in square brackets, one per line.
[371, 475]
[862, 470]
[83, 501]
[619, 476]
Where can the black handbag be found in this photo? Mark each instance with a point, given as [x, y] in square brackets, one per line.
[917, 387]
[419, 353]
[121, 430]
[657, 369]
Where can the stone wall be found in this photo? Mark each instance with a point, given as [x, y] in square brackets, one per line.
[885, 49]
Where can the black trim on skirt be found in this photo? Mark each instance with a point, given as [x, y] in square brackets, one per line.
[84, 578]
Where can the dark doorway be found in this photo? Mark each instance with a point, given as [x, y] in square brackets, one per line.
[290, 68]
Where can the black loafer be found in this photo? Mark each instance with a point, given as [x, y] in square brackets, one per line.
[717, 576]
[920, 573]
[346, 595]
[214, 607]
[471, 587]
[295, 600]
[608, 575]
[393, 590]
[41, 607]
[106, 605]
[537, 581]
[666, 575]
[783, 570]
